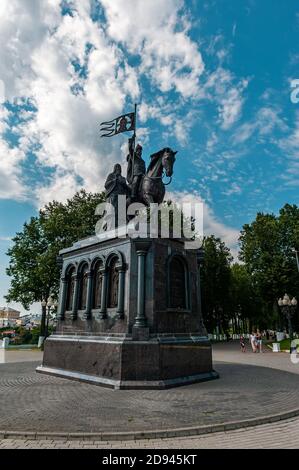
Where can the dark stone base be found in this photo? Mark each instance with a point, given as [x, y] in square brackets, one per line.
[126, 384]
[122, 363]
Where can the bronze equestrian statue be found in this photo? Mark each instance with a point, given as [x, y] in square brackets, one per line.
[144, 186]
[147, 186]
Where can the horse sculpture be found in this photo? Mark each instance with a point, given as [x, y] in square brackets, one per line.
[152, 187]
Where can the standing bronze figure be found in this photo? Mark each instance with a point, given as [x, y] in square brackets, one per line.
[116, 186]
[136, 168]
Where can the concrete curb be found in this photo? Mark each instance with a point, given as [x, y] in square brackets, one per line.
[159, 434]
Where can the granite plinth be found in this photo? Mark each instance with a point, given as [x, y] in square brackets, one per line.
[145, 339]
[122, 363]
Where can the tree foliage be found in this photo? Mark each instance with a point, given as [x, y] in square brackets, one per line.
[216, 279]
[243, 295]
[33, 264]
[266, 248]
[246, 294]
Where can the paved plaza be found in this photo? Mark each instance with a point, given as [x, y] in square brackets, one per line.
[15, 355]
[283, 434]
[251, 386]
[230, 352]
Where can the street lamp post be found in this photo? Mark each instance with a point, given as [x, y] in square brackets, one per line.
[297, 258]
[43, 323]
[51, 307]
[50, 304]
[200, 260]
[43, 319]
[288, 307]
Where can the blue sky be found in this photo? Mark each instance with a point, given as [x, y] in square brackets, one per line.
[212, 80]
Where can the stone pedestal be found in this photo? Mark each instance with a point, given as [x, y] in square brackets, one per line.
[140, 333]
[129, 315]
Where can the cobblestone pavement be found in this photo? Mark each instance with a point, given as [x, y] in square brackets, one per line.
[231, 353]
[35, 402]
[53, 404]
[8, 356]
[283, 435]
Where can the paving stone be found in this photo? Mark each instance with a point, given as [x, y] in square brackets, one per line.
[42, 404]
[251, 386]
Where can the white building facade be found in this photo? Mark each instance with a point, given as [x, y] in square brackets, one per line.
[8, 317]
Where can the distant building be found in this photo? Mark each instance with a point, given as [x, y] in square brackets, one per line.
[35, 319]
[8, 317]
[30, 320]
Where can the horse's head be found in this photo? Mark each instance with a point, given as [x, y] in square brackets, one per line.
[168, 159]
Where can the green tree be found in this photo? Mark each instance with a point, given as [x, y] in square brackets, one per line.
[33, 264]
[245, 305]
[216, 281]
[23, 336]
[266, 249]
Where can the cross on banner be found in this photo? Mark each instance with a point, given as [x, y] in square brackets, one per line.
[124, 123]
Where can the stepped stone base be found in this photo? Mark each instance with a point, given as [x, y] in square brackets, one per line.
[122, 363]
[149, 333]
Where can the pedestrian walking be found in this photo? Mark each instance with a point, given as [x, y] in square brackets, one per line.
[253, 341]
[242, 344]
[259, 341]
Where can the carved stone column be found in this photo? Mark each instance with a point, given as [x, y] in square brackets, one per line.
[140, 328]
[62, 300]
[140, 319]
[87, 313]
[103, 310]
[75, 296]
[121, 293]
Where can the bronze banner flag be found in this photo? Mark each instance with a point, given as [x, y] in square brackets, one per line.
[124, 123]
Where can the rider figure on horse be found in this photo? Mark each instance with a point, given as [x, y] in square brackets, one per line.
[136, 168]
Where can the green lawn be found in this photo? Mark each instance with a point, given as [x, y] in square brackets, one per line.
[284, 345]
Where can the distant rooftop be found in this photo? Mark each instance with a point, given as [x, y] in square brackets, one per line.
[9, 309]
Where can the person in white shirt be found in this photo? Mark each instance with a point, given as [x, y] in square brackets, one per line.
[253, 341]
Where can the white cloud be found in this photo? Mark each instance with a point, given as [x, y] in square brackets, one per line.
[290, 144]
[44, 51]
[212, 142]
[147, 111]
[4, 114]
[183, 126]
[65, 126]
[211, 224]
[290, 147]
[234, 189]
[61, 187]
[230, 107]
[42, 47]
[168, 56]
[11, 186]
[223, 88]
[234, 29]
[265, 122]
[23, 26]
